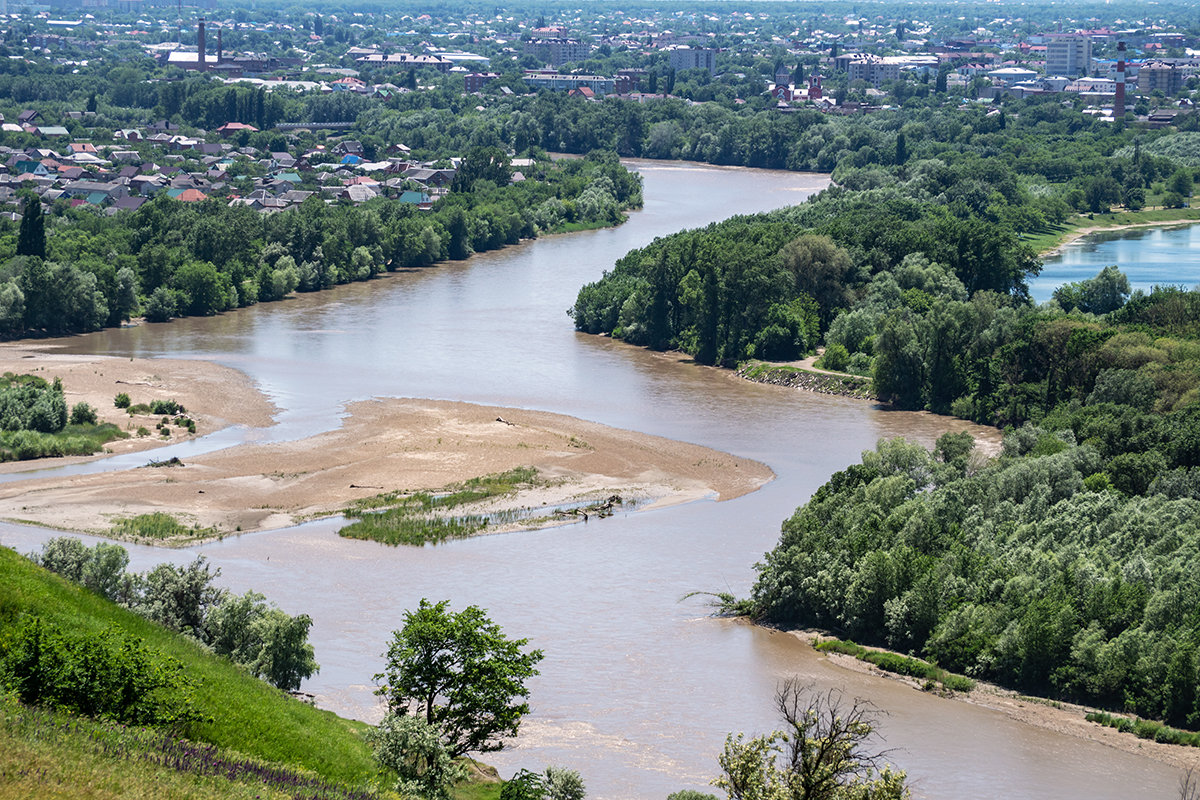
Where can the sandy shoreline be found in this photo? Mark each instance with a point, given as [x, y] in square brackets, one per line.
[1067, 719]
[1083, 232]
[215, 396]
[381, 446]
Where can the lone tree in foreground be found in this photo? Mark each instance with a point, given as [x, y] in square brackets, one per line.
[823, 753]
[461, 673]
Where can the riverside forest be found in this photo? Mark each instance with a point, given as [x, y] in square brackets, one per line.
[178, 179]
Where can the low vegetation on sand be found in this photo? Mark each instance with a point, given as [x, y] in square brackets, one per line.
[35, 421]
[419, 517]
[159, 526]
[1145, 729]
[900, 664]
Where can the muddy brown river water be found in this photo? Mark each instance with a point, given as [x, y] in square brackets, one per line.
[638, 688]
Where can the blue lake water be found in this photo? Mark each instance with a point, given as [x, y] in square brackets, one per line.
[1148, 256]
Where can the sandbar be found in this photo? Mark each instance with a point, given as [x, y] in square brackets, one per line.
[382, 445]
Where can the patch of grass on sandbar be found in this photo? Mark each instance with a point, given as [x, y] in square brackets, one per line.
[416, 518]
[159, 525]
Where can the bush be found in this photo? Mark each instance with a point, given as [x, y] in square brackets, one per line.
[83, 414]
[121, 400]
[413, 749]
[162, 305]
[167, 407]
[564, 784]
[836, 358]
[109, 674]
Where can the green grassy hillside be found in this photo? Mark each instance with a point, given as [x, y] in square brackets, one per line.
[248, 716]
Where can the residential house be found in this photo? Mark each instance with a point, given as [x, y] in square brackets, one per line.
[231, 128]
[91, 189]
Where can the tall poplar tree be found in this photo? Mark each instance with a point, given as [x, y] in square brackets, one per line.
[31, 237]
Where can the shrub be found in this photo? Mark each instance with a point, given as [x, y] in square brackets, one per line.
[108, 674]
[413, 749]
[168, 407]
[121, 400]
[564, 784]
[83, 414]
[836, 358]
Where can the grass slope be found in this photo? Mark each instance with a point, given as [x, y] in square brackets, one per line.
[1044, 242]
[249, 716]
[47, 755]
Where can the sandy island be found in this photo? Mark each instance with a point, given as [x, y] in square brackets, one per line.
[381, 446]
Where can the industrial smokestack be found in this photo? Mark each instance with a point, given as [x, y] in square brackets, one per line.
[201, 61]
[1119, 99]
[220, 47]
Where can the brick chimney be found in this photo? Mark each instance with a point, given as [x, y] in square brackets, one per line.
[1119, 99]
[201, 61]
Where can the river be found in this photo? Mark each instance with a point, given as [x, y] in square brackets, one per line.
[638, 688]
[1148, 256]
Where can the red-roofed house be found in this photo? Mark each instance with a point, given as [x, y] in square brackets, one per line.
[230, 128]
[191, 196]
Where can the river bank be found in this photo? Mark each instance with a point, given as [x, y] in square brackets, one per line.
[1052, 244]
[807, 378]
[215, 396]
[1059, 717]
[381, 446]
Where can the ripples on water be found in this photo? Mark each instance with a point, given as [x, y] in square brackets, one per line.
[638, 688]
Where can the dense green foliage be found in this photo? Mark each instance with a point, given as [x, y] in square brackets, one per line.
[964, 200]
[269, 643]
[997, 364]
[107, 674]
[178, 259]
[1031, 570]
[461, 673]
[239, 711]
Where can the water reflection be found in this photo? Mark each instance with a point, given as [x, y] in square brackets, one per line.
[1149, 256]
[638, 689]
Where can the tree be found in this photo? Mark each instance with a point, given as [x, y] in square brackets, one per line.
[272, 644]
[525, 785]
[284, 657]
[461, 673]
[1102, 294]
[31, 237]
[564, 784]
[180, 597]
[820, 269]
[413, 749]
[822, 754]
